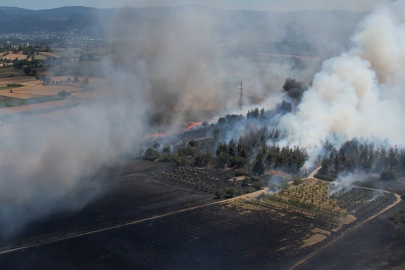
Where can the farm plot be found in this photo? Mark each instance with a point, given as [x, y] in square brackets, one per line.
[315, 200]
[363, 202]
[208, 180]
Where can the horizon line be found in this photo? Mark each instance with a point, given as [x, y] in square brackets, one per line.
[180, 6]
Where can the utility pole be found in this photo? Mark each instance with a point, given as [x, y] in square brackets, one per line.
[240, 103]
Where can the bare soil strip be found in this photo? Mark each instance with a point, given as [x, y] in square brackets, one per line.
[247, 196]
[312, 174]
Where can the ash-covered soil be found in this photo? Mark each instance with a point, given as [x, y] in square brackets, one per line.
[129, 194]
[220, 236]
[379, 244]
[227, 235]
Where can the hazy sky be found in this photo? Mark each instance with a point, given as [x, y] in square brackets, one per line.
[276, 5]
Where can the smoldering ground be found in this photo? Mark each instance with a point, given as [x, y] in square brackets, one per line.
[159, 69]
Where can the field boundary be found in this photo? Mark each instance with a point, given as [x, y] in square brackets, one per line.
[247, 196]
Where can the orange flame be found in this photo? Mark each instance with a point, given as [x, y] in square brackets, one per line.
[193, 125]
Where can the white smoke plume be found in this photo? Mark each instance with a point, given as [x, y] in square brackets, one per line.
[360, 93]
[162, 65]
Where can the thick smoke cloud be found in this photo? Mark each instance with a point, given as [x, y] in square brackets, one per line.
[175, 61]
[159, 70]
[358, 94]
[47, 167]
[190, 59]
[294, 90]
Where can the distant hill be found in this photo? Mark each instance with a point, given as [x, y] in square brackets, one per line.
[18, 20]
[305, 29]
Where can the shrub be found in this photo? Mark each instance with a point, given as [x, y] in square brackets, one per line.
[325, 177]
[151, 154]
[63, 94]
[365, 184]
[246, 181]
[238, 162]
[166, 150]
[14, 85]
[297, 181]
[249, 190]
[181, 161]
[242, 172]
[156, 146]
[258, 167]
[165, 158]
[402, 193]
[258, 185]
[221, 121]
[388, 176]
[189, 151]
[286, 186]
[192, 143]
[222, 160]
[202, 159]
[231, 192]
[218, 193]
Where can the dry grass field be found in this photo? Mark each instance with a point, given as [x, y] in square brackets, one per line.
[33, 88]
[11, 75]
[21, 56]
[30, 95]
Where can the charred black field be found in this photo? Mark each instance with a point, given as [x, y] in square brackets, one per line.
[195, 201]
[148, 221]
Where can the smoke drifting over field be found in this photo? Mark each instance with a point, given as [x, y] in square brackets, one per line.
[159, 69]
[48, 168]
[358, 93]
[182, 62]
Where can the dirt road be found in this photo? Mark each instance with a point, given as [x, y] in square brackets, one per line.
[312, 174]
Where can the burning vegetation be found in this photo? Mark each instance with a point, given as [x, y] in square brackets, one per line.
[255, 149]
[266, 150]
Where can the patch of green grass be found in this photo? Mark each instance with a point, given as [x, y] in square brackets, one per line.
[13, 103]
[11, 86]
[22, 102]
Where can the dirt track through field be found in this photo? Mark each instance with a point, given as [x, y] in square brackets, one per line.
[357, 226]
[312, 174]
[247, 196]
